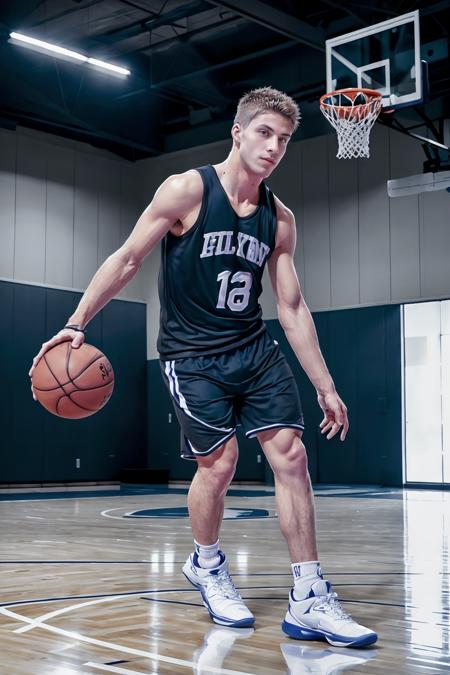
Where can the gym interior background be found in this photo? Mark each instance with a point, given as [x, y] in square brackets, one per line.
[81, 154]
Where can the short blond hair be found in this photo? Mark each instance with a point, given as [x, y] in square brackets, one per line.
[266, 99]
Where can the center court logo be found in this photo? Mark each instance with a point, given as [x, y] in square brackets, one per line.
[182, 512]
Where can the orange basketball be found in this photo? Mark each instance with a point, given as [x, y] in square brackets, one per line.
[73, 383]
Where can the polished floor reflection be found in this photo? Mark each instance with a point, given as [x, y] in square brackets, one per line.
[92, 584]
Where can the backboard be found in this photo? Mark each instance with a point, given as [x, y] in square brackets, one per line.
[384, 57]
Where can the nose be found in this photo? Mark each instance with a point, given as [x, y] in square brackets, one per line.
[272, 146]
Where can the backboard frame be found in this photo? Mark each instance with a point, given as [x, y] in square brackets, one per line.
[389, 100]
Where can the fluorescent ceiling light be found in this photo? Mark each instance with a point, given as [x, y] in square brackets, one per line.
[108, 66]
[68, 53]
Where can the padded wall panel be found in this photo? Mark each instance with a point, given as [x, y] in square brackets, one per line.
[37, 446]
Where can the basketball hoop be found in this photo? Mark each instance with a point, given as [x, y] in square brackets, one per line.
[352, 112]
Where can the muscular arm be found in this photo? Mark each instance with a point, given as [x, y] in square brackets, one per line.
[298, 325]
[176, 197]
[174, 202]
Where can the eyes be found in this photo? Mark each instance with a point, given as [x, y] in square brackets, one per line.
[265, 134]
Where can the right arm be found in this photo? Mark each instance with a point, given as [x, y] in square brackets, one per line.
[173, 201]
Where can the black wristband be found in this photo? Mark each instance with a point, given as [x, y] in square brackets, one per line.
[76, 328]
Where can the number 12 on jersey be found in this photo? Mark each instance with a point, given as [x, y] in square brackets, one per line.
[238, 298]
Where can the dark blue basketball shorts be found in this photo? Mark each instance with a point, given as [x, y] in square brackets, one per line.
[251, 385]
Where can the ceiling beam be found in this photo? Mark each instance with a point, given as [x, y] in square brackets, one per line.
[193, 74]
[201, 72]
[65, 12]
[146, 25]
[276, 20]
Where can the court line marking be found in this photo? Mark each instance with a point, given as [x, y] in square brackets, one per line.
[146, 591]
[116, 647]
[126, 671]
[107, 514]
[113, 669]
[36, 623]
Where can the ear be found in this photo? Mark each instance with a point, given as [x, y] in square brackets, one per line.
[236, 133]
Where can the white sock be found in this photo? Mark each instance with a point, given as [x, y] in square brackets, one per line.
[305, 574]
[208, 556]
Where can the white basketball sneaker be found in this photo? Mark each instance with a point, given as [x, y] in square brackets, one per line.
[320, 616]
[220, 597]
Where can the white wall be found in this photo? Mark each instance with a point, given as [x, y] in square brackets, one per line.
[64, 207]
[355, 246]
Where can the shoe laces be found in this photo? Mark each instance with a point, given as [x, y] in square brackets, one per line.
[331, 606]
[223, 585]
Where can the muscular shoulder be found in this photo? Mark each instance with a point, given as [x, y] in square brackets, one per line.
[186, 185]
[286, 231]
[284, 214]
[180, 193]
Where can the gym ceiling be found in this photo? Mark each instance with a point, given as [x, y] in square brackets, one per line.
[190, 61]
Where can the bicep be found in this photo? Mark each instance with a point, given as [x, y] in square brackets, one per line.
[148, 231]
[170, 203]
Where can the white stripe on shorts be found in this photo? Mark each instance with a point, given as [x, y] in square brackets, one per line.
[175, 391]
[213, 447]
[274, 426]
[167, 371]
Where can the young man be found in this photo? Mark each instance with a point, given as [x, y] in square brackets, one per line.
[220, 225]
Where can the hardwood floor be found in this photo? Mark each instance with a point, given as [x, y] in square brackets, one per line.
[93, 584]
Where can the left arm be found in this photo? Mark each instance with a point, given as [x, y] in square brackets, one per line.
[298, 325]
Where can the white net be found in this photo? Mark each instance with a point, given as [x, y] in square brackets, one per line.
[352, 113]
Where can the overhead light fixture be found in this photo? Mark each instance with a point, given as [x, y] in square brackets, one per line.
[68, 53]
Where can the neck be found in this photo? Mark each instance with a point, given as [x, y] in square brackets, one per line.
[240, 183]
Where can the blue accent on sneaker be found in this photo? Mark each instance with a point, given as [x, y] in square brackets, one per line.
[222, 620]
[217, 618]
[300, 633]
[313, 595]
[303, 633]
[242, 623]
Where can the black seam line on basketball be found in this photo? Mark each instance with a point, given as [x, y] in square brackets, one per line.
[67, 360]
[57, 404]
[81, 406]
[72, 401]
[61, 386]
[78, 388]
[70, 380]
[84, 369]
[64, 384]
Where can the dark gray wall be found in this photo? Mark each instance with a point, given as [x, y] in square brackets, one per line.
[362, 348]
[363, 352]
[38, 446]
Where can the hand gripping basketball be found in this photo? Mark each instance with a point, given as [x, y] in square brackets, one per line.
[71, 382]
[76, 335]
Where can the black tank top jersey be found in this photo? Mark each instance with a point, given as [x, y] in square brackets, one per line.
[210, 277]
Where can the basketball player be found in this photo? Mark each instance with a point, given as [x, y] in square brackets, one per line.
[220, 225]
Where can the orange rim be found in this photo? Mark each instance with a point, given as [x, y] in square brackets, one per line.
[356, 90]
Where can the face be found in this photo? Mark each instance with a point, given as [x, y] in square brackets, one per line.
[263, 142]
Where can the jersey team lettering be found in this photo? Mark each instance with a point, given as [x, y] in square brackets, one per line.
[224, 243]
